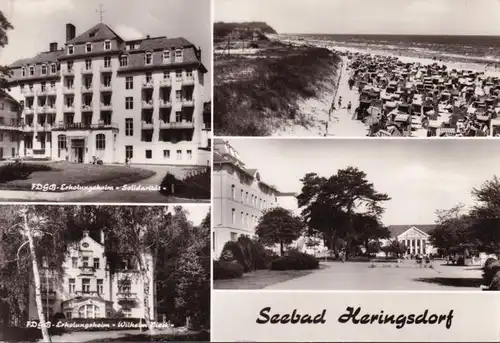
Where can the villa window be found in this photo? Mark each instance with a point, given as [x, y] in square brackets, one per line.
[241, 195]
[107, 45]
[166, 153]
[61, 145]
[100, 286]
[178, 117]
[149, 58]
[189, 73]
[149, 77]
[71, 285]
[129, 126]
[88, 311]
[189, 154]
[53, 68]
[233, 192]
[166, 56]
[242, 218]
[74, 260]
[123, 61]
[178, 55]
[107, 81]
[85, 261]
[86, 285]
[32, 71]
[23, 72]
[127, 313]
[96, 263]
[166, 74]
[107, 62]
[88, 64]
[129, 151]
[178, 74]
[71, 49]
[70, 65]
[129, 82]
[88, 47]
[129, 103]
[233, 216]
[178, 95]
[179, 155]
[124, 286]
[44, 69]
[100, 141]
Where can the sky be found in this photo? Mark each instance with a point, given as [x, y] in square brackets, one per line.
[420, 176]
[39, 22]
[445, 17]
[196, 213]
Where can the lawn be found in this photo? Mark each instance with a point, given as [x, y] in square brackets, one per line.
[80, 174]
[203, 336]
[260, 279]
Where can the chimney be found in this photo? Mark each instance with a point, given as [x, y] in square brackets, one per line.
[53, 46]
[70, 32]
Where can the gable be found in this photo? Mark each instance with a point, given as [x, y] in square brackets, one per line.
[413, 232]
[97, 33]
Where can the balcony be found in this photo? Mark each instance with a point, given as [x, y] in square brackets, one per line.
[167, 82]
[5, 127]
[187, 102]
[126, 296]
[46, 127]
[28, 110]
[48, 91]
[188, 81]
[147, 125]
[86, 108]
[68, 71]
[87, 89]
[69, 108]
[106, 69]
[106, 88]
[147, 104]
[86, 71]
[30, 127]
[83, 126]
[87, 293]
[50, 109]
[68, 89]
[165, 103]
[177, 125]
[28, 91]
[86, 270]
[48, 295]
[147, 84]
[106, 107]
[41, 109]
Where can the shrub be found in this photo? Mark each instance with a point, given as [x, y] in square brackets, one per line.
[227, 270]
[196, 185]
[235, 249]
[20, 171]
[294, 260]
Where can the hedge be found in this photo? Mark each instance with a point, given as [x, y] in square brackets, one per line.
[195, 186]
[227, 270]
[294, 260]
[20, 171]
[250, 254]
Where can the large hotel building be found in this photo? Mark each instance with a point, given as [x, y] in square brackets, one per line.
[239, 197]
[104, 98]
[87, 288]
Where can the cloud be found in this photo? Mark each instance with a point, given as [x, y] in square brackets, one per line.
[41, 7]
[128, 32]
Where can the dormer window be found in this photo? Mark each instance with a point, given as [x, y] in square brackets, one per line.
[88, 47]
[32, 71]
[71, 49]
[123, 61]
[166, 56]
[178, 55]
[44, 69]
[23, 71]
[107, 45]
[149, 58]
[53, 68]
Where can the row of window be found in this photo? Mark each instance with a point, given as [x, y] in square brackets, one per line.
[12, 107]
[248, 199]
[11, 136]
[245, 218]
[129, 154]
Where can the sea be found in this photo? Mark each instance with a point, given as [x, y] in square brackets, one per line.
[484, 49]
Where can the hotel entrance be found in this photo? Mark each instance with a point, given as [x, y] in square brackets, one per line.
[78, 150]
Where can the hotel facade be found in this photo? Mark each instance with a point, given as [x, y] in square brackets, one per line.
[104, 98]
[87, 289]
[239, 197]
[10, 118]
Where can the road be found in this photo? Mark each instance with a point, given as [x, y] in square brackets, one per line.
[359, 276]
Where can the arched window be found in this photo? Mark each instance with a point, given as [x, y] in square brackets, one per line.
[88, 311]
[100, 141]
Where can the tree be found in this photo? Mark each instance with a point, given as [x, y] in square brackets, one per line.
[452, 230]
[5, 26]
[394, 247]
[279, 226]
[368, 228]
[330, 205]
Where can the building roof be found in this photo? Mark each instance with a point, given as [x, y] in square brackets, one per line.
[97, 33]
[162, 43]
[41, 57]
[397, 230]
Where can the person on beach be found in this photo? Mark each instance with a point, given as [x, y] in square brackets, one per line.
[340, 102]
[349, 107]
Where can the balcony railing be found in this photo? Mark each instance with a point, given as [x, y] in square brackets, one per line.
[106, 88]
[69, 89]
[87, 89]
[188, 81]
[68, 71]
[68, 108]
[41, 109]
[147, 84]
[48, 91]
[187, 102]
[165, 103]
[48, 294]
[50, 109]
[26, 91]
[86, 71]
[106, 107]
[147, 104]
[106, 69]
[87, 293]
[166, 82]
[28, 110]
[30, 127]
[5, 127]
[86, 108]
[83, 126]
[126, 296]
[177, 125]
[147, 125]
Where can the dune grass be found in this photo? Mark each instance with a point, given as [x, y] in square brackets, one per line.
[252, 93]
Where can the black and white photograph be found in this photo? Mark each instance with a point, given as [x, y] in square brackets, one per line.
[356, 68]
[105, 101]
[351, 214]
[85, 273]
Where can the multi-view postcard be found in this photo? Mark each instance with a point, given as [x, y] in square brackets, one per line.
[103, 105]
